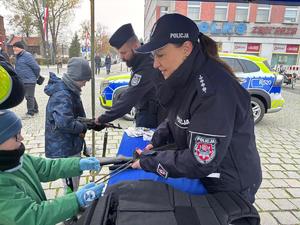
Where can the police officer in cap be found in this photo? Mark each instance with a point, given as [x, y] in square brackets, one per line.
[141, 93]
[210, 117]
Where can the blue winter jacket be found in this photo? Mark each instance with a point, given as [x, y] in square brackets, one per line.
[27, 68]
[62, 129]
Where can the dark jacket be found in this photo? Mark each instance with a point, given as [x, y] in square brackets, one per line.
[107, 61]
[62, 129]
[27, 68]
[210, 120]
[98, 60]
[141, 93]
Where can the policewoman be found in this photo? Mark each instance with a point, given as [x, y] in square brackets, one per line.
[141, 92]
[210, 118]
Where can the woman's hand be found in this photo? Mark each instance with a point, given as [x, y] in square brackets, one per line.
[136, 165]
[148, 147]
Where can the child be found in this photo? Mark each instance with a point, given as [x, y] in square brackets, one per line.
[22, 198]
[64, 135]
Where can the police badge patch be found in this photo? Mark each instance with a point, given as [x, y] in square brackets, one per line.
[136, 79]
[204, 149]
[162, 171]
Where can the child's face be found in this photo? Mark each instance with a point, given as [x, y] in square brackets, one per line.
[81, 83]
[12, 143]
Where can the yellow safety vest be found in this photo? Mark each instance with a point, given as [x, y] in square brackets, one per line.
[5, 84]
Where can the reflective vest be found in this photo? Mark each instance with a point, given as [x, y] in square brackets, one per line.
[5, 84]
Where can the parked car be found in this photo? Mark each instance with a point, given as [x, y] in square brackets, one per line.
[262, 83]
[111, 88]
[254, 73]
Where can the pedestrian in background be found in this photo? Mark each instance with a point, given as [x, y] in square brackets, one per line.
[64, 135]
[3, 52]
[97, 63]
[29, 71]
[107, 63]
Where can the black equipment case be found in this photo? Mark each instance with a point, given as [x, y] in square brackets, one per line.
[152, 203]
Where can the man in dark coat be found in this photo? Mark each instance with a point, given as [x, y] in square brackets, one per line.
[97, 63]
[141, 92]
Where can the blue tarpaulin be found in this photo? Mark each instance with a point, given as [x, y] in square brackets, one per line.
[127, 147]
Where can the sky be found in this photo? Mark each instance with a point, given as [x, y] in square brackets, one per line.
[110, 13]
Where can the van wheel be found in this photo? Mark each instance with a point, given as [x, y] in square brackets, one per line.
[129, 116]
[258, 109]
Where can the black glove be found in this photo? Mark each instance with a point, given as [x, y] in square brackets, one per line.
[96, 127]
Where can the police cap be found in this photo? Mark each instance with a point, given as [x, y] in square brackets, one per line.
[170, 28]
[123, 34]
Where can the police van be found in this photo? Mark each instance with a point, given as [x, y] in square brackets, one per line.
[254, 73]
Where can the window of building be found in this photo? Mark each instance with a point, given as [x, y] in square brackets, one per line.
[291, 15]
[221, 11]
[241, 13]
[164, 10]
[263, 13]
[193, 10]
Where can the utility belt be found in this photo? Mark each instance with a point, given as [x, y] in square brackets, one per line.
[151, 106]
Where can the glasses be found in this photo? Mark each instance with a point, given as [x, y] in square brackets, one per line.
[18, 137]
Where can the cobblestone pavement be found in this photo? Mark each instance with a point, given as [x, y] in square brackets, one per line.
[278, 141]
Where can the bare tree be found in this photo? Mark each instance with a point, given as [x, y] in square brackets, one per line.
[102, 45]
[59, 12]
[24, 24]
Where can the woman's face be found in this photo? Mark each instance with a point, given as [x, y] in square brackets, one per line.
[12, 143]
[168, 58]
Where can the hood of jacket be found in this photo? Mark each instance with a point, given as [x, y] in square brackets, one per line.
[54, 85]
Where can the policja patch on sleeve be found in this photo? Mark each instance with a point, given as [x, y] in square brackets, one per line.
[204, 148]
[135, 79]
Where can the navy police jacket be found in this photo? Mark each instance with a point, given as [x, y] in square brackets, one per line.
[62, 130]
[210, 120]
[141, 92]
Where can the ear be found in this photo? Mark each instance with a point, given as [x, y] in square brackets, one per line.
[187, 48]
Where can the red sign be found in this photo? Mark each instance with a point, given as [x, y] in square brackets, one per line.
[292, 48]
[253, 47]
[274, 30]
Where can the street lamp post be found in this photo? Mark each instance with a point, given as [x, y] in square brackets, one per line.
[93, 69]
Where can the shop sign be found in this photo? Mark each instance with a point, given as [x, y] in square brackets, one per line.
[292, 49]
[240, 47]
[253, 47]
[246, 47]
[274, 30]
[222, 28]
[278, 48]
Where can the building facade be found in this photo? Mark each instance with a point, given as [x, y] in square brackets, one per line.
[270, 31]
[2, 31]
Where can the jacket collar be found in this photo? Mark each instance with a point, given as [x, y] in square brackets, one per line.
[182, 74]
[139, 61]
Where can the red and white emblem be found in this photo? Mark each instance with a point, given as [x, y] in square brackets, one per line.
[204, 149]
